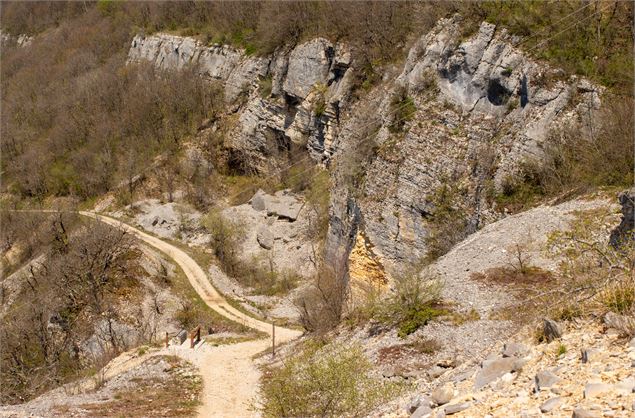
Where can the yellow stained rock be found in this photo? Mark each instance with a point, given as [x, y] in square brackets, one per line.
[366, 272]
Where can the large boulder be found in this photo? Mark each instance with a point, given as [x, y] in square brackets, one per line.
[495, 368]
[265, 238]
[594, 390]
[283, 205]
[550, 404]
[258, 201]
[545, 379]
[583, 413]
[515, 350]
[456, 408]
[443, 394]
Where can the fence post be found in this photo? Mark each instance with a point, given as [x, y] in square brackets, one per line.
[166, 339]
[273, 339]
[195, 336]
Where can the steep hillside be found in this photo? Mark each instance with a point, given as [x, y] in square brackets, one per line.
[76, 294]
[411, 184]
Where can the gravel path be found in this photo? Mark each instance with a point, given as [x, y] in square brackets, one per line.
[230, 377]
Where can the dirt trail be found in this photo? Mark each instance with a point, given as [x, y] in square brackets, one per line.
[230, 378]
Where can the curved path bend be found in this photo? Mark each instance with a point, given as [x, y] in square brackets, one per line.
[230, 377]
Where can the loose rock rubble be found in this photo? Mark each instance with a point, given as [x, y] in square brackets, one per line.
[588, 372]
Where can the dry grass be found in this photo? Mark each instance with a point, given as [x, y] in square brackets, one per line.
[177, 396]
[460, 318]
[531, 276]
[593, 279]
[420, 346]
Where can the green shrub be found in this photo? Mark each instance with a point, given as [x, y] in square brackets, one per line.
[586, 157]
[318, 197]
[263, 279]
[323, 381]
[265, 85]
[521, 190]
[403, 109]
[91, 120]
[427, 82]
[321, 305]
[186, 316]
[225, 241]
[319, 108]
[600, 47]
[416, 317]
[415, 302]
[577, 159]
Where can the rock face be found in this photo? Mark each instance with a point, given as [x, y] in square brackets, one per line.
[624, 231]
[308, 66]
[308, 88]
[480, 109]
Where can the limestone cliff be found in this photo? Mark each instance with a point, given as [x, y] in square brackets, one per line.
[482, 109]
[479, 107]
[292, 96]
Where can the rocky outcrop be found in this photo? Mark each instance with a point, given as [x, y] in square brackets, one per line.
[291, 96]
[552, 381]
[282, 205]
[624, 231]
[481, 108]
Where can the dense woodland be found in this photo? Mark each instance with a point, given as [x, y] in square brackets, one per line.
[78, 273]
[77, 121]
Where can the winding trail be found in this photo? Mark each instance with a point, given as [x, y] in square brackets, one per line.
[230, 377]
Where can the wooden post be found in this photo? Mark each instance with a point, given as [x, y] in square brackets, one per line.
[166, 339]
[273, 339]
[195, 336]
